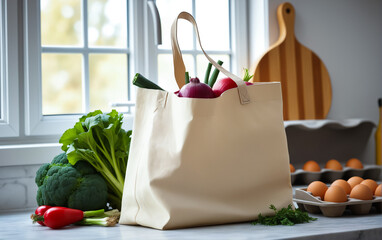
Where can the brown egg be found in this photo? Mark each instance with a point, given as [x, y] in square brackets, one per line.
[378, 191]
[342, 183]
[318, 189]
[354, 163]
[362, 192]
[371, 184]
[354, 181]
[311, 166]
[335, 194]
[333, 164]
[292, 169]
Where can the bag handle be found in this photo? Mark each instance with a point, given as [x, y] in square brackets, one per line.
[179, 68]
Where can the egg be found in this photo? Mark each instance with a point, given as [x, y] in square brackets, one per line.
[371, 184]
[333, 164]
[292, 169]
[335, 194]
[354, 163]
[342, 183]
[353, 181]
[362, 192]
[378, 191]
[311, 166]
[318, 189]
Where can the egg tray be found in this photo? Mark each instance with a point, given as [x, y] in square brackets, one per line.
[311, 204]
[327, 175]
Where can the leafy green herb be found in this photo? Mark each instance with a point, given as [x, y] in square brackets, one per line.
[99, 139]
[285, 216]
[247, 76]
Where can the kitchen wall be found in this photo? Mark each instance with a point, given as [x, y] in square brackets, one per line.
[17, 187]
[347, 36]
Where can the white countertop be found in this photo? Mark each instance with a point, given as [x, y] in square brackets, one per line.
[17, 225]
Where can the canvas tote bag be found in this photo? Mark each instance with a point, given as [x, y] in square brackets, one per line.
[196, 162]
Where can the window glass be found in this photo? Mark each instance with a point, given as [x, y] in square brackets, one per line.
[107, 23]
[61, 83]
[167, 15]
[108, 82]
[214, 27]
[61, 22]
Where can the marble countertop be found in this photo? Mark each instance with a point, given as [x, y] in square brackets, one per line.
[17, 225]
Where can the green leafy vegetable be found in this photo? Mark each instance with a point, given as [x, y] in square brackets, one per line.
[99, 139]
[247, 76]
[76, 186]
[285, 216]
[187, 77]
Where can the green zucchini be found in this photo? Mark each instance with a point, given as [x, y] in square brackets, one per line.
[142, 82]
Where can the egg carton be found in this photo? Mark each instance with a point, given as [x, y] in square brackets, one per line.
[307, 202]
[327, 175]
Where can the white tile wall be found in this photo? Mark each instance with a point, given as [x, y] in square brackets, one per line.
[17, 187]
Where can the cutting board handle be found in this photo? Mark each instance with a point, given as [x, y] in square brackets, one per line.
[285, 17]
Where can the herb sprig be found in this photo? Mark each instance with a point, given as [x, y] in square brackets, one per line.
[284, 216]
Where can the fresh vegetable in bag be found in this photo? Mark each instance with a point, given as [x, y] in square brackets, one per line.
[224, 84]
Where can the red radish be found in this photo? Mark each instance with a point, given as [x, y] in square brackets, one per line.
[40, 212]
[224, 84]
[58, 217]
[196, 89]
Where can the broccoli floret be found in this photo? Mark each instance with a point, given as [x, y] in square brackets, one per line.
[41, 173]
[60, 159]
[62, 184]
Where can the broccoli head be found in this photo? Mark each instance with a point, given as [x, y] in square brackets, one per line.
[62, 184]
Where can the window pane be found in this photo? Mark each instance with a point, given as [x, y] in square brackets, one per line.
[61, 22]
[202, 63]
[108, 80]
[107, 23]
[166, 79]
[61, 83]
[169, 10]
[213, 23]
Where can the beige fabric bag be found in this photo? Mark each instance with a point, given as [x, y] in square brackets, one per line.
[199, 162]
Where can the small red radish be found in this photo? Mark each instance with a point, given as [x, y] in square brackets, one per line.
[58, 217]
[40, 212]
[224, 84]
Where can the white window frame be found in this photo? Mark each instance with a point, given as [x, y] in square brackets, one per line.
[9, 74]
[36, 122]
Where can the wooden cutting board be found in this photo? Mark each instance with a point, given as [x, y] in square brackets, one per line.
[305, 82]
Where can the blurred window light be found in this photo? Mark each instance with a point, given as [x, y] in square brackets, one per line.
[84, 61]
